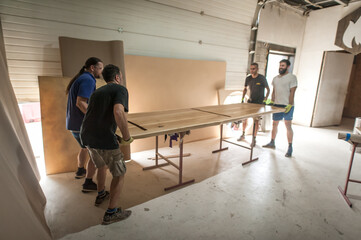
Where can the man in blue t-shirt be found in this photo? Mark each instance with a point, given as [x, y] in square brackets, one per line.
[106, 112]
[79, 90]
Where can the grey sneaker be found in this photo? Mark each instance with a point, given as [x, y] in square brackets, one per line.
[270, 145]
[89, 186]
[100, 198]
[241, 138]
[80, 173]
[119, 215]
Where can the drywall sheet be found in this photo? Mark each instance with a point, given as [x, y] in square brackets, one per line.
[154, 84]
[22, 200]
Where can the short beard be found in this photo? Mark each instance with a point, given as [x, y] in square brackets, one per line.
[282, 71]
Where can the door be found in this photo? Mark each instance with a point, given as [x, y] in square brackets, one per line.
[332, 89]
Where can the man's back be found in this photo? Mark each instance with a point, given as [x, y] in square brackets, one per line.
[99, 126]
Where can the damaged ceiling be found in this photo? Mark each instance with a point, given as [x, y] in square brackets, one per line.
[311, 5]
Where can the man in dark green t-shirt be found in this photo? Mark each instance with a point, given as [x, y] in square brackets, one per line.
[256, 83]
[106, 112]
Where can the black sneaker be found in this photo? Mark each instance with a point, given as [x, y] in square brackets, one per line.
[100, 198]
[119, 215]
[89, 186]
[80, 173]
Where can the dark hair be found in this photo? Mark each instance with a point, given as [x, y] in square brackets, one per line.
[254, 64]
[285, 61]
[110, 71]
[89, 62]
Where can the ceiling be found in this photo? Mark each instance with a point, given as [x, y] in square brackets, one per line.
[312, 5]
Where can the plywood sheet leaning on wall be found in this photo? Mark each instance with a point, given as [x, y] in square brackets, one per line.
[157, 84]
[74, 52]
[60, 147]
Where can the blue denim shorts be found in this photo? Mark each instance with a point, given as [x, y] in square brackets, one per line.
[286, 116]
[77, 137]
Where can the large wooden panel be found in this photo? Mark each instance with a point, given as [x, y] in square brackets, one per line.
[173, 121]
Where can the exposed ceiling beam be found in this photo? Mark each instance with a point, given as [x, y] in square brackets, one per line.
[340, 2]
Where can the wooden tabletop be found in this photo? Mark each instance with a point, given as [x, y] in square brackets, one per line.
[148, 124]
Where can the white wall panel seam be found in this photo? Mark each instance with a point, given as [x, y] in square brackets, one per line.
[205, 14]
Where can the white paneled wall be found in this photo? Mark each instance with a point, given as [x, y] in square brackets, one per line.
[159, 28]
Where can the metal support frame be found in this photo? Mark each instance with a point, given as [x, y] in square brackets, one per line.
[251, 159]
[168, 161]
[344, 192]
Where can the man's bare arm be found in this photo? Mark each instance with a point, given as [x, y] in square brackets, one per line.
[81, 103]
[267, 93]
[121, 120]
[292, 95]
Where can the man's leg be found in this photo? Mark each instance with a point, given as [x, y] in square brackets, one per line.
[116, 188]
[256, 127]
[118, 169]
[101, 175]
[113, 213]
[82, 157]
[288, 124]
[272, 144]
[256, 122]
[244, 124]
[102, 194]
[274, 129]
[89, 185]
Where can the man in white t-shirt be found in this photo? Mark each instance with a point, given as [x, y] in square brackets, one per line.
[283, 94]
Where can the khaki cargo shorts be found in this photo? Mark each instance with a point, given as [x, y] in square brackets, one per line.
[113, 158]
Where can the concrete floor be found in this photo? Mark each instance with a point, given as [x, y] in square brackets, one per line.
[272, 198]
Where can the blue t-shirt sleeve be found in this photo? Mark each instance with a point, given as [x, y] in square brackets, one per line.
[86, 88]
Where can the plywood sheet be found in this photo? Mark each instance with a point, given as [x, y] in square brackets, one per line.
[74, 52]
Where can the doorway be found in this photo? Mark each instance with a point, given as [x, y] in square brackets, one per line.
[332, 88]
[352, 108]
